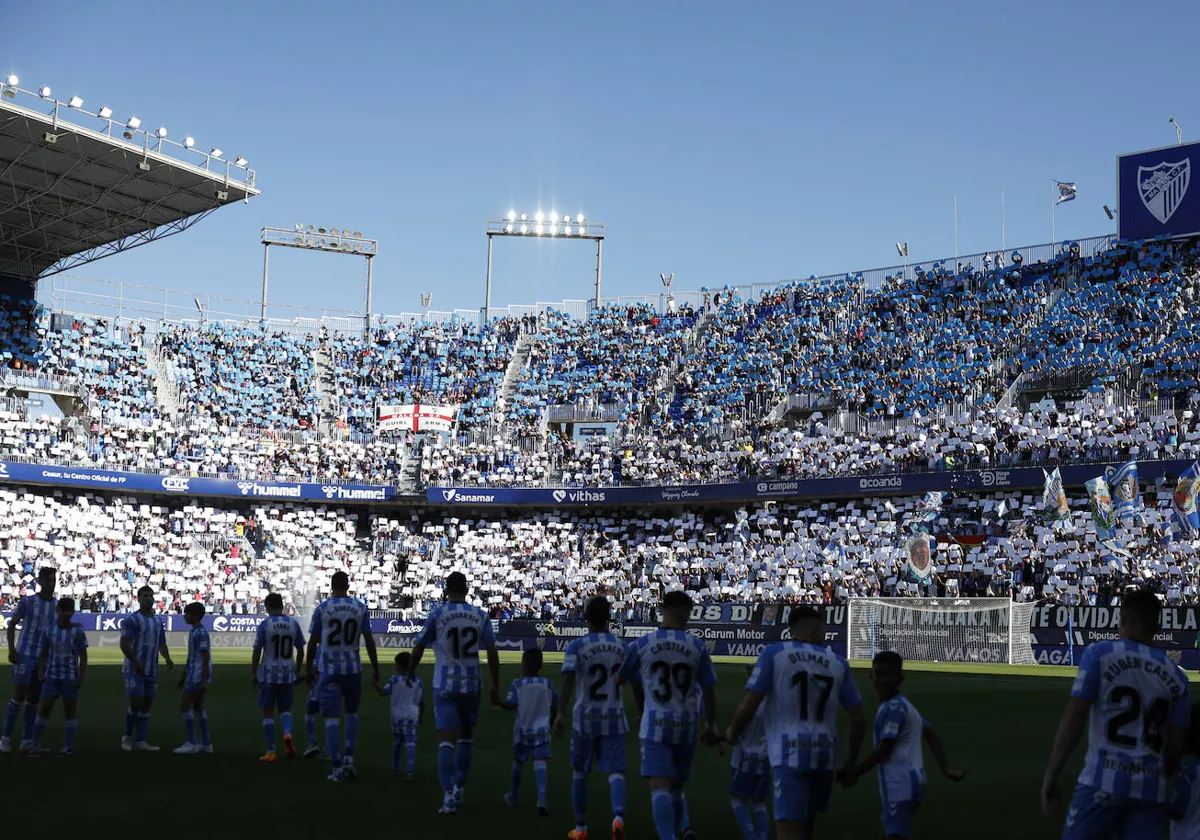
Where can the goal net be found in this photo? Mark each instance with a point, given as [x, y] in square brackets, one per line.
[941, 629]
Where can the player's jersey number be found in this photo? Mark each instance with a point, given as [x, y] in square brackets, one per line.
[806, 683]
[465, 641]
[600, 676]
[1122, 731]
[342, 632]
[283, 646]
[671, 678]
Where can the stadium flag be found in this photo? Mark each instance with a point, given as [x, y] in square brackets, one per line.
[1102, 507]
[1066, 191]
[927, 511]
[1184, 518]
[1002, 509]
[1113, 553]
[1126, 492]
[1054, 498]
[416, 418]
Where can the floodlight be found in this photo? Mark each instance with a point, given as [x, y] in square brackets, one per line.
[240, 162]
[9, 93]
[358, 234]
[299, 240]
[553, 229]
[162, 132]
[553, 215]
[12, 80]
[188, 142]
[524, 217]
[538, 230]
[334, 232]
[75, 102]
[214, 153]
[1108, 212]
[299, 226]
[105, 112]
[134, 122]
[512, 215]
[566, 218]
[539, 217]
[524, 228]
[320, 230]
[579, 218]
[311, 228]
[44, 92]
[508, 228]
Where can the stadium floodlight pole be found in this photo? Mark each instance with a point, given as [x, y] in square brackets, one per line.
[541, 226]
[312, 238]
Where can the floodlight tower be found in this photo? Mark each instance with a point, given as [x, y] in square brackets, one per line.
[312, 238]
[541, 226]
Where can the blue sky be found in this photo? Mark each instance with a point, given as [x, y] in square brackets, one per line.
[727, 143]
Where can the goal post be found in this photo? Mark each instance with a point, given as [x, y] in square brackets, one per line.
[941, 629]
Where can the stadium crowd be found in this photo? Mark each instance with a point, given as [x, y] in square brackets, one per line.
[545, 565]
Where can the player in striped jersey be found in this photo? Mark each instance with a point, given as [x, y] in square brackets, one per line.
[1184, 806]
[338, 625]
[457, 630]
[62, 667]
[408, 711]
[598, 723]
[751, 782]
[196, 676]
[533, 698]
[671, 670]
[35, 613]
[276, 665]
[899, 730]
[795, 681]
[1133, 701]
[143, 639]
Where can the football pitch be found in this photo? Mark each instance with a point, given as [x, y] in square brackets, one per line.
[998, 725]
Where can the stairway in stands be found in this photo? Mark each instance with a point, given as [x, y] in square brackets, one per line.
[325, 382]
[166, 390]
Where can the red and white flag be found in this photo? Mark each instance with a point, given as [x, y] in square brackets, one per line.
[416, 418]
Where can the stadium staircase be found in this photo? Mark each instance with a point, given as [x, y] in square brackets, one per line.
[325, 383]
[512, 374]
[166, 390]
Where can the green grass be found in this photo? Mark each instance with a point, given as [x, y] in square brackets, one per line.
[998, 725]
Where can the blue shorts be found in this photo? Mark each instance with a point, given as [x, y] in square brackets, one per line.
[801, 794]
[750, 787]
[607, 752]
[405, 730]
[524, 752]
[338, 689]
[136, 686]
[667, 761]
[1095, 815]
[277, 695]
[456, 711]
[66, 689]
[25, 672]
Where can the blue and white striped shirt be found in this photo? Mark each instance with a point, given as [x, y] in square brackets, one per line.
[674, 666]
[457, 632]
[750, 752]
[339, 624]
[198, 644]
[902, 776]
[63, 646]
[798, 681]
[596, 659]
[405, 699]
[36, 615]
[147, 633]
[279, 637]
[1134, 691]
[533, 697]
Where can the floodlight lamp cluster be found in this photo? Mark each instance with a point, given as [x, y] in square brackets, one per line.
[10, 87]
[333, 239]
[544, 224]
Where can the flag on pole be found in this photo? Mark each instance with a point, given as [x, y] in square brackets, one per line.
[1184, 518]
[1102, 507]
[1126, 491]
[927, 511]
[1066, 191]
[1002, 509]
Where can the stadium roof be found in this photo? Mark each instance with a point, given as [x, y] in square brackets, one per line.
[70, 195]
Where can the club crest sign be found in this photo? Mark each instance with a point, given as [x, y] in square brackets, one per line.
[1163, 187]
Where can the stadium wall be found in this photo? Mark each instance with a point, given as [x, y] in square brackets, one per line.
[896, 484]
